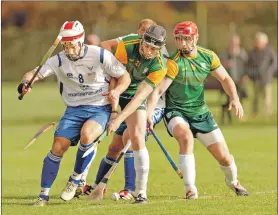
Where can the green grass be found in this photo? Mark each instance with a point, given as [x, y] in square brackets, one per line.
[253, 144]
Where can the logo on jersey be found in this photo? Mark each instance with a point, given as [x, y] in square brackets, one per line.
[69, 75]
[137, 64]
[203, 65]
[92, 75]
[131, 60]
[145, 70]
[84, 87]
[90, 68]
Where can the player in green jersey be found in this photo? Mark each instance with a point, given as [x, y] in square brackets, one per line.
[147, 67]
[187, 114]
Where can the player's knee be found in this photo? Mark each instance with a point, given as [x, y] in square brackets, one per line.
[225, 160]
[60, 146]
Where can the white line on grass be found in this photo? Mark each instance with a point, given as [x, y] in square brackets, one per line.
[174, 200]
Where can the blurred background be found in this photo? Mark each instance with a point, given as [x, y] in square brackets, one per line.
[228, 28]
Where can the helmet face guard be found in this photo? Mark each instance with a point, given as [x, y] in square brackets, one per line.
[186, 36]
[73, 36]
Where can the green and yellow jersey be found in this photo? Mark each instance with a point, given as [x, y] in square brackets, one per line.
[186, 93]
[139, 68]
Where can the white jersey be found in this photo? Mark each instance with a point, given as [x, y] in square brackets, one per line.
[161, 101]
[82, 82]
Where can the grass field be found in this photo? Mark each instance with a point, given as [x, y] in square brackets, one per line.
[253, 144]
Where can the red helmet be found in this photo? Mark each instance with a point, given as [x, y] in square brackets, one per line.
[186, 28]
[72, 31]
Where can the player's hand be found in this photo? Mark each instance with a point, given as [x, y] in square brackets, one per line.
[22, 88]
[235, 103]
[113, 96]
[113, 125]
[113, 116]
[149, 124]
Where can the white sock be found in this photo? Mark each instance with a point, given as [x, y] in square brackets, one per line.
[230, 172]
[187, 165]
[142, 166]
[45, 191]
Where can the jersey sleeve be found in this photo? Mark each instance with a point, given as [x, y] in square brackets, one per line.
[172, 69]
[111, 65]
[48, 68]
[157, 72]
[215, 62]
[121, 53]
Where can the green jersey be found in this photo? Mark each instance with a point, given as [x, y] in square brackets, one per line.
[186, 93]
[139, 68]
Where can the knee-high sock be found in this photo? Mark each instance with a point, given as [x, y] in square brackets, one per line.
[230, 172]
[130, 174]
[50, 169]
[86, 171]
[104, 167]
[187, 165]
[81, 163]
[142, 166]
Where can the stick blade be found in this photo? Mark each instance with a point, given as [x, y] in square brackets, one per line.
[97, 193]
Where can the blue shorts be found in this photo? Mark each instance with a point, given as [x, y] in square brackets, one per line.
[157, 116]
[74, 117]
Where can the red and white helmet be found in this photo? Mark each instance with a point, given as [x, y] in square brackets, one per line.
[184, 30]
[72, 31]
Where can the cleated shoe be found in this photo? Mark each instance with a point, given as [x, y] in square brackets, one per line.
[140, 199]
[69, 191]
[80, 189]
[126, 194]
[40, 202]
[238, 189]
[191, 194]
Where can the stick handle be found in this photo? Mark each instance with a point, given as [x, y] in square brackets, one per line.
[45, 57]
[178, 171]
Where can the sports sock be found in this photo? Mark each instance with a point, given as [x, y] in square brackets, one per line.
[130, 174]
[104, 167]
[50, 169]
[187, 165]
[230, 172]
[82, 163]
[142, 166]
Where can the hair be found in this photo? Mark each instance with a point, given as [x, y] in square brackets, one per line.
[146, 22]
[261, 36]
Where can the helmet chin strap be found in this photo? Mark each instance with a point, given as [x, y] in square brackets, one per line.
[81, 52]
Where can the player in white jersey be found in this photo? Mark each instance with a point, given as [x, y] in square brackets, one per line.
[83, 74]
[117, 143]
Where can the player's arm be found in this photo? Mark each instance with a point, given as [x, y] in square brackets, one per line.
[172, 72]
[45, 71]
[109, 44]
[116, 70]
[220, 73]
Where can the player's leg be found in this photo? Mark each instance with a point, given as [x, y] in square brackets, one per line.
[113, 152]
[212, 138]
[179, 128]
[136, 124]
[97, 118]
[66, 134]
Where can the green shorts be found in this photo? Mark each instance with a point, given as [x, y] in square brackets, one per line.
[202, 123]
[124, 100]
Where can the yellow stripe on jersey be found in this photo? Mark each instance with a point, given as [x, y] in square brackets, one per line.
[120, 53]
[172, 69]
[157, 76]
[132, 42]
[215, 60]
[177, 55]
